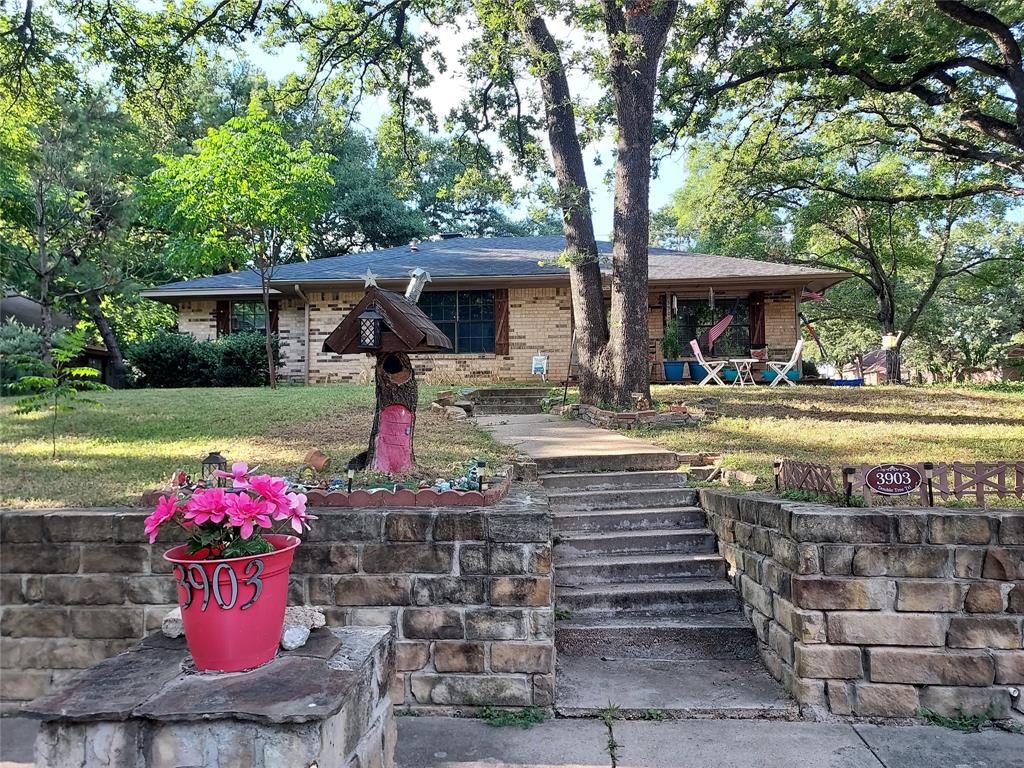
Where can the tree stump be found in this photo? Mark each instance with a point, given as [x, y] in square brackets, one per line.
[394, 420]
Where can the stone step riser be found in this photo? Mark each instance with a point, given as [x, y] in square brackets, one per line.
[629, 462]
[683, 542]
[646, 603]
[614, 481]
[606, 522]
[654, 642]
[638, 572]
[504, 410]
[499, 392]
[645, 497]
[510, 401]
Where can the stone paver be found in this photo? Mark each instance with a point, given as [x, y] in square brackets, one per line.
[426, 742]
[543, 435]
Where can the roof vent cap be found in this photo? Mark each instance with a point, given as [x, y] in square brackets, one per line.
[450, 235]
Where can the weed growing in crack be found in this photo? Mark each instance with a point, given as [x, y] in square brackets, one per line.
[654, 715]
[969, 723]
[608, 716]
[527, 717]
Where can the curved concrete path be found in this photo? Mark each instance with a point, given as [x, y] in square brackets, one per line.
[546, 436]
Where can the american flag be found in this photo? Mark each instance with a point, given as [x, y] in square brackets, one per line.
[708, 338]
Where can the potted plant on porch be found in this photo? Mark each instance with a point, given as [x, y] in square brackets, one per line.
[232, 574]
[672, 351]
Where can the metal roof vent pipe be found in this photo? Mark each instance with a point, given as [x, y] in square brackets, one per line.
[450, 235]
[418, 278]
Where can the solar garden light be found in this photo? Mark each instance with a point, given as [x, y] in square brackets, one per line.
[351, 472]
[929, 473]
[369, 329]
[213, 463]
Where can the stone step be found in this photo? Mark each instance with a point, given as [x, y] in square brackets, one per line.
[629, 519]
[638, 568]
[696, 540]
[703, 473]
[637, 498]
[730, 688]
[595, 481]
[692, 596]
[608, 462]
[499, 392]
[511, 400]
[718, 636]
[487, 409]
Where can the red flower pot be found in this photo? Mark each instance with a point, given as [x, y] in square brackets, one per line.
[233, 609]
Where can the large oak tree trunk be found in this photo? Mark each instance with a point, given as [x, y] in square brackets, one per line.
[636, 37]
[593, 354]
[396, 385]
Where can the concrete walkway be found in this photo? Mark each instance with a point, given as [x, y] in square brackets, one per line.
[429, 742]
[545, 436]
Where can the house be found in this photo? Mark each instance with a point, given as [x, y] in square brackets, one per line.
[500, 300]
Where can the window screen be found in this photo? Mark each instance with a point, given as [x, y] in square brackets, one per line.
[465, 317]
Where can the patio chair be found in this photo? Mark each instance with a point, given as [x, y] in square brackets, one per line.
[781, 369]
[712, 367]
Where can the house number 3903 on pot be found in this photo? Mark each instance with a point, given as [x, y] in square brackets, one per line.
[193, 577]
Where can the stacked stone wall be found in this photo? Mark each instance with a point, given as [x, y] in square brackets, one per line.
[468, 592]
[881, 612]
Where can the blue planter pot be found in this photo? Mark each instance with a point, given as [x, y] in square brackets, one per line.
[770, 375]
[674, 370]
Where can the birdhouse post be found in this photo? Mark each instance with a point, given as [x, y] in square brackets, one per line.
[390, 327]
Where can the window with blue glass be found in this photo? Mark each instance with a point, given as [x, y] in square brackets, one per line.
[465, 317]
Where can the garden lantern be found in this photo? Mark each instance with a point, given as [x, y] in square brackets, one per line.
[213, 463]
[369, 329]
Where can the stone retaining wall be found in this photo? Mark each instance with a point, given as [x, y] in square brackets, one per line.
[468, 591]
[880, 612]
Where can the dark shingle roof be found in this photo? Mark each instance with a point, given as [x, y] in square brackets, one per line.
[484, 257]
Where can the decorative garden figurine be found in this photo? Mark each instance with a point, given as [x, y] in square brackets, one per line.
[390, 326]
[233, 573]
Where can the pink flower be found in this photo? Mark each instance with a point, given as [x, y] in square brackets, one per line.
[246, 513]
[239, 474]
[165, 509]
[274, 491]
[207, 506]
[297, 512]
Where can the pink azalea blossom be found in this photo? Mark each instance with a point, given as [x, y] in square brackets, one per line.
[207, 506]
[274, 491]
[245, 513]
[297, 511]
[165, 509]
[239, 474]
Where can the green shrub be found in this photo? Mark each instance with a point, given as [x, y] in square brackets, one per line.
[178, 360]
[809, 369]
[174, 360]
[671, 345]
[243, 360]
[17, 341]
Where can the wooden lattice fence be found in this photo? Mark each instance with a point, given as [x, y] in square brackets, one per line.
[793, 475]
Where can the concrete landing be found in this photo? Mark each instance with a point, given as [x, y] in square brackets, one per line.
[544, 437]
[736, 688]
[432, 742]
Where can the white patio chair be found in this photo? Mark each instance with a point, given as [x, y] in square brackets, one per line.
[781, 369]
[713, 367]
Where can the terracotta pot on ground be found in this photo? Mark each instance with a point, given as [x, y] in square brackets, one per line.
[233, 609]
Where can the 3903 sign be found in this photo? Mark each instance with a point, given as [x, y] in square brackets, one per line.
[193, 578]
[893, 479]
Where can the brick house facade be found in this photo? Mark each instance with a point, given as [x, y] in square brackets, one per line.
[503, 299]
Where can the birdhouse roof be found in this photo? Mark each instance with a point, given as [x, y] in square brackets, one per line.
[410, 329]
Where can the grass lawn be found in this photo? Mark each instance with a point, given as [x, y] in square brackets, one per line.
[833, 425]
[110, 455]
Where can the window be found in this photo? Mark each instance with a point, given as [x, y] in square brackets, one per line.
[696, 317]
[465, 317]
[248, 316]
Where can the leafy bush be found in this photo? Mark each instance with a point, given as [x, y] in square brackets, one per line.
[243, 360]
[178, 360]
[174, 360]
[17, 341]
[809, 369]
[671, 346]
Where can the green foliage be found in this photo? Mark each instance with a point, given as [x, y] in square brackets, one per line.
[242, 360]
[653, 715]
[57, 385]
[608, 715]
[967, 723]
[21, 349]
[562, 614]
[171, 360]
[525, 717]
[222, 542]
[671, 344]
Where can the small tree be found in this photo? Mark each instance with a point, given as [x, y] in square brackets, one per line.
[58, 384]
[244, 199]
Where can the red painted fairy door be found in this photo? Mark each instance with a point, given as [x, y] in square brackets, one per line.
[393, 452]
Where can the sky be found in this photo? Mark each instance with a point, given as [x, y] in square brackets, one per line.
[450, 88]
